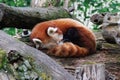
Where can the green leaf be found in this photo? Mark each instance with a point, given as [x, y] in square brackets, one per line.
[10, 31]
[80, 7]
[106, 9]
[12, 3]
[98, 5]
[93, 11]
[87, 17]
[115, 10]
[2, 58]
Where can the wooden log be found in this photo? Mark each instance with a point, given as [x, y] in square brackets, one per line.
[3, 76]
[110, 24]
[90, 72]
[93, 72]
[27, 17]
[57, 72]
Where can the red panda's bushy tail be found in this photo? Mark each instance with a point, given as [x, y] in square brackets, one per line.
[68, 49]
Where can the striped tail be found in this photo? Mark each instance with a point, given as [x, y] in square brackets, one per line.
[68, 49]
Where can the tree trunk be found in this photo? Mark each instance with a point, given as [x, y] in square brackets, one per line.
[90, 72]
[66, 3]
[27, 17]
[57, 72]
[93, 72]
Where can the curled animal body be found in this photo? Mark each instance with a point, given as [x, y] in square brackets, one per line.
[64, 37]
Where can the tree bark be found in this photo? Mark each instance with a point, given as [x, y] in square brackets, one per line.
[66, 3]
[57, 72]
[93, 72]
[90, 72]
[27, 17]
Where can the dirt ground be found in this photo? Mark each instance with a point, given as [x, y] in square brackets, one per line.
[111, 61]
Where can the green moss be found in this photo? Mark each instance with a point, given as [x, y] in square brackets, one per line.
[3, 59]
[111, 46]
[89, 62]
[22, 68]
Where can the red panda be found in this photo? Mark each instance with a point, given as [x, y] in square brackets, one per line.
[64, 38]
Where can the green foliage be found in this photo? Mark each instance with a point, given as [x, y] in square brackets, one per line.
[112, 6]
[87, 8]
[12, 31]
[3, 59]
[84, 8]
[95, 27]
[17, 3]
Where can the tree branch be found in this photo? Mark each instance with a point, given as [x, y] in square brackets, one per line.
[26, 17]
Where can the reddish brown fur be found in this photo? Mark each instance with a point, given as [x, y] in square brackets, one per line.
[67, 49]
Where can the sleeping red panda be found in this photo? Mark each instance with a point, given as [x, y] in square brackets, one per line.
[64, 38]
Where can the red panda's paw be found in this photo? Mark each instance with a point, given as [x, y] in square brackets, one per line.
[68, 49]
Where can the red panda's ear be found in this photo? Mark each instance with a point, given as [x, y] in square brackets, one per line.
[37, 42]
[51, 31]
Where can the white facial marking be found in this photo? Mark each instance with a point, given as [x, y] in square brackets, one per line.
[57, 37]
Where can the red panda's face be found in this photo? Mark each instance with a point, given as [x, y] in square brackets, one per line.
[46, 37]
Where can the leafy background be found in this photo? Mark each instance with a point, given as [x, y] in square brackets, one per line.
[84, 9]
[16, 3]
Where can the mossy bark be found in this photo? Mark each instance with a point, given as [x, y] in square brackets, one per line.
[17, 67]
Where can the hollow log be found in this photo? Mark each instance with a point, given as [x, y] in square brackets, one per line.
[57, 72]
[27, 17]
